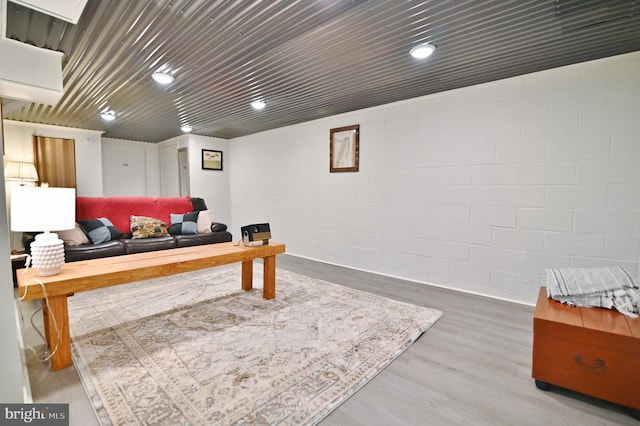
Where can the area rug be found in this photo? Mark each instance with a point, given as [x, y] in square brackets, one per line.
[194, 349]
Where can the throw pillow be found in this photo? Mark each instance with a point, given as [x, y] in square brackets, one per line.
[147, 227]
[198, 204]
[205, 217]
[73, 237]
[184, 224]
[100, 230]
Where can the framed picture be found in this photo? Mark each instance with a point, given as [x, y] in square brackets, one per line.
[344, 151]
[211, 160]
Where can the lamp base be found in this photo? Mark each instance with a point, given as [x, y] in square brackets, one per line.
[47, 254]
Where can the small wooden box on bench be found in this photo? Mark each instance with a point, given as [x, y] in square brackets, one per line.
[588, 350]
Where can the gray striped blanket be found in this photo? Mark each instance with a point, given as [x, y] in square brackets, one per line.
[609, 287]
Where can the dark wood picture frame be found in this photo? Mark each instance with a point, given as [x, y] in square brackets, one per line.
[211, 159]
[344, 149]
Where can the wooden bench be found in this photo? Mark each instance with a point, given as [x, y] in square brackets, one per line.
[98, 273]
[594, 351]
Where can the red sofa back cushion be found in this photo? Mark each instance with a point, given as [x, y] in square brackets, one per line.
[120, 209]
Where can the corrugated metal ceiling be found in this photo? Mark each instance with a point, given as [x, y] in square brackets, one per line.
[308, 58]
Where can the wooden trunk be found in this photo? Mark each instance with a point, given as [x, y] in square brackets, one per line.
[589, 350]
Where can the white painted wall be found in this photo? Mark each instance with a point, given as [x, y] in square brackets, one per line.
[115, 167]
[130, 168]
[15, 382]
[477, 189]
[211, 185]
[19, 147]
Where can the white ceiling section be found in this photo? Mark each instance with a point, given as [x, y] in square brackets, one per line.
[33, 74]
[67, 10]
[30, 73]
[307, 59]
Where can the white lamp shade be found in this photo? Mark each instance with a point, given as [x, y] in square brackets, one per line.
[35, 208]
[20, 170]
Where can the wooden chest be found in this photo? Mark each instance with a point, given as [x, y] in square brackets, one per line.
[589, 350]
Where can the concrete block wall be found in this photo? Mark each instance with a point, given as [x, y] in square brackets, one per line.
[478, 189]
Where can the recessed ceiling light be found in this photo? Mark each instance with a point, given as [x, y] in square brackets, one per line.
[422, 51]
[186, 128]
[260, 104]
[108, 115]
[162, 77]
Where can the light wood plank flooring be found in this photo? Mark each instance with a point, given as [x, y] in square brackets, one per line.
[473, 367]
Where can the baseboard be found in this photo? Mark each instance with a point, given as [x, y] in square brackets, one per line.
[26, 389]
[489, 296]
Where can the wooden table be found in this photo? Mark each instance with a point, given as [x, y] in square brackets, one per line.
[17, 262]
[98, 273]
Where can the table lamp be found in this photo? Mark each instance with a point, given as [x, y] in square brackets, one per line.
[21, 171]
[44, 209]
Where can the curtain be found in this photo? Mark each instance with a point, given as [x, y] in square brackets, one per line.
[55, 161]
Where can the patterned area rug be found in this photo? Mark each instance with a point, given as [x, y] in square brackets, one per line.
[195, 349]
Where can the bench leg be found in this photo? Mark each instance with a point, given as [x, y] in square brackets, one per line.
[269, 286]
[247, 274]
[57, 308]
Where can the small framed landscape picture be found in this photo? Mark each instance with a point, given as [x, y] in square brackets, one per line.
[344, 153]
[211, 160]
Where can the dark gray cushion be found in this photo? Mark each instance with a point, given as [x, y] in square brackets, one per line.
[218, 227]
[200, 239]
[100, 230]
[149, 244]
[95, 251]
[184, 224]
[198, 204]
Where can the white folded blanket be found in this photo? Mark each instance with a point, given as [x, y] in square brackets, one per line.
[604, 287]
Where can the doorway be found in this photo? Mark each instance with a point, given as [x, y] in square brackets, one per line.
[183, 171]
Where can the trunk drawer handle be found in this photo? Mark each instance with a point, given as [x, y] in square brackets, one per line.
[599, 363]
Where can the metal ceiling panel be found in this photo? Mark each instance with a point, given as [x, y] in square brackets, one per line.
[307, 58]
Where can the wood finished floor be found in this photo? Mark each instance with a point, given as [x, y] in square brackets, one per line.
[473, 367]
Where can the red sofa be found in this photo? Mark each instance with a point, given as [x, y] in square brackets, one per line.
[118, 210]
